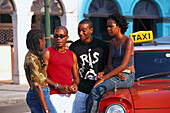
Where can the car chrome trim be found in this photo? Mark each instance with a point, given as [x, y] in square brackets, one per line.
[153, 75]
[116, 104]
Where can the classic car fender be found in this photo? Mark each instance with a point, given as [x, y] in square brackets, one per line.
[151, 94]
[122, 96]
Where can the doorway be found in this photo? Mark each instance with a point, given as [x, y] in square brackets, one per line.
[145, 25]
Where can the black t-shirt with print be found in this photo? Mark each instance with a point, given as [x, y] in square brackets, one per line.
[92, 58]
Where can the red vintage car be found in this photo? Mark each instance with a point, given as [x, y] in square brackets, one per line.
[151, 90]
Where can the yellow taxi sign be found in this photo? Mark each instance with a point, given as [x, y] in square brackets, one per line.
[141, 36]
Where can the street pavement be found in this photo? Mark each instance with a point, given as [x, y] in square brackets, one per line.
[12, 93]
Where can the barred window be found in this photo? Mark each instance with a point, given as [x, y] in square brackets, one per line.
[6, 30]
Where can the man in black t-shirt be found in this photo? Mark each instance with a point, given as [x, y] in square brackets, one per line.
[92, 55]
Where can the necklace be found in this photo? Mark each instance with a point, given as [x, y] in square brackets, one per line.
[62, 51]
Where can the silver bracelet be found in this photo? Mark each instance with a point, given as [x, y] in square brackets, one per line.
[46, 111]
[56, 85]
[101, 78]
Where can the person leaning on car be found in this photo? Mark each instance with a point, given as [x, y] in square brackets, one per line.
[92, 55]
[120, 63]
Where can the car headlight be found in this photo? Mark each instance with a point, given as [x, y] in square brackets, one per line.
[115, 108]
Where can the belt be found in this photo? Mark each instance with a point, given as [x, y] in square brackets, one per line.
[127, 71]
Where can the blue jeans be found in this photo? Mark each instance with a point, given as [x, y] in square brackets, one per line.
[93, 100]
[34, 103]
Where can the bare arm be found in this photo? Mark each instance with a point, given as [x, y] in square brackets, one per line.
[41, 97]
[46, 56]
[120, 68]
[76, 79]
[28, 78]
[125, 61]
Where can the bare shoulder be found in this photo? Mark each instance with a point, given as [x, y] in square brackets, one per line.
[74, 56]
[46, 53]
[112, 41]
[128, 40]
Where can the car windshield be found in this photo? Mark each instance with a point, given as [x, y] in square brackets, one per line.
[151, 60]
[159, 41]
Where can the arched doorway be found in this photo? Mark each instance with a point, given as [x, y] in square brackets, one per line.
[99, 10]
[6, 40]
[38, 19]
[146, 16]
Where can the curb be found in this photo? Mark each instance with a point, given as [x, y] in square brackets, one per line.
[12, 93]
[13, 101]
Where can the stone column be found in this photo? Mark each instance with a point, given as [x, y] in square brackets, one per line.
[15, 40]
[21, 25]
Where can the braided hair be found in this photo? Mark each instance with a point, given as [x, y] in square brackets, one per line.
[33, 43]
[120, 21]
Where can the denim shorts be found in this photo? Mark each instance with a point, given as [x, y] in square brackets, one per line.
[34, 103]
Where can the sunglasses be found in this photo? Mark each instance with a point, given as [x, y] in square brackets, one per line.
[61, 36]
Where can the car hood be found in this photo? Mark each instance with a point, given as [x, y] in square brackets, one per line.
[151, 94]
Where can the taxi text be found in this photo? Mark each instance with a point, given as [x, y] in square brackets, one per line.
[142, 36]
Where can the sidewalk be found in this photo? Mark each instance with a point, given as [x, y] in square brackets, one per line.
[12, 93]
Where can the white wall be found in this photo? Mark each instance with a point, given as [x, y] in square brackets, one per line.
[5, 63]
[70, 18]
[22, 24]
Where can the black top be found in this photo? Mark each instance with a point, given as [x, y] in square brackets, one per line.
[92, 58]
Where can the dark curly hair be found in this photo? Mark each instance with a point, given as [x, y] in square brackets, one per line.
[120, 21]
[33, 43]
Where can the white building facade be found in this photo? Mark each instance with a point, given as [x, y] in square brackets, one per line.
[28, 14]
[17, 17]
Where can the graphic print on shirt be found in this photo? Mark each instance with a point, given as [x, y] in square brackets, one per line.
[88, 60]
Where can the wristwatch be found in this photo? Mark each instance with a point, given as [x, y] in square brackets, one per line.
[101, 78]
[56, 85]
[47, 111]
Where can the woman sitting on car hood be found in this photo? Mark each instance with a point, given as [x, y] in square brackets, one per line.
[120, 63]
